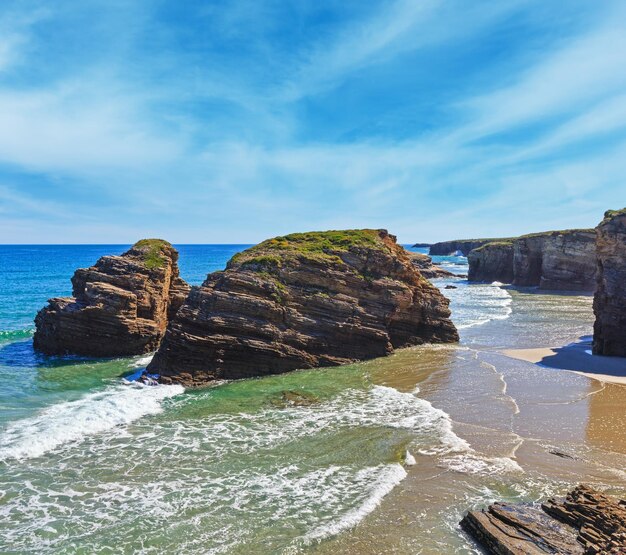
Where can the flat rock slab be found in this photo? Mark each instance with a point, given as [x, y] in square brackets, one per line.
[584, 522]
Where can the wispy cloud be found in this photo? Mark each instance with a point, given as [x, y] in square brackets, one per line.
[232, 122]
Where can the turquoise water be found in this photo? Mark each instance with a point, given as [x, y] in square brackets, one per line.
[89, 465]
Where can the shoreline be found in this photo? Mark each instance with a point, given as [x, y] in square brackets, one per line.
[575, 357]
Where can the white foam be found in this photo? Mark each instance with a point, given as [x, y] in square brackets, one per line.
[388, 478]
[73, 421]
[472, 463]
[409, 460]
[142, 362]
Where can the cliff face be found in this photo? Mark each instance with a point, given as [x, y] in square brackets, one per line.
[558, 260]
[491, 262]
[120, 306]
[446, 248]
[609, 303]
[302, 301]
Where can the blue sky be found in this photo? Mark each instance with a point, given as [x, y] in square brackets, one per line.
[209, 122]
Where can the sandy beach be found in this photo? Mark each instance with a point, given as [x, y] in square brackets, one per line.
[575, 357]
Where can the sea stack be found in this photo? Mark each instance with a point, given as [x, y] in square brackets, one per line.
[609, 303]
[302, 301]
[120, 306]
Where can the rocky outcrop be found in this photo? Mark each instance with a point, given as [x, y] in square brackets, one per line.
[421, 245]
[120, 306]
[560, 260]
[557, 260]
[584, 522]
[447, 248]
[491, 262]
[302, 301]
[424, 264]
[609, 303]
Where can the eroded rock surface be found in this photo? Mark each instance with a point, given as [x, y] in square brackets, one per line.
[120, 306]
[609, 303]
[553, 260]
[491, 262]
[302, 301]
[584, 522]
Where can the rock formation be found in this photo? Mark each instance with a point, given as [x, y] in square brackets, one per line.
[557, 260]
[564, 260]
[584, 522]
[491, 262]
[303, 301]
[446, 248]
[609, 303]
[120, 306]
[424, 264]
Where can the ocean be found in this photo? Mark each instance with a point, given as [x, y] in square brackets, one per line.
[385, 460]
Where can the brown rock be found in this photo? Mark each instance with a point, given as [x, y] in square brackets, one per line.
[426, 267]
[609, 303]
[120, 306]
[302, 301]
[586, 522]
[491, 262]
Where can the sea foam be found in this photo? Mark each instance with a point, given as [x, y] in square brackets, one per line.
[72, 421]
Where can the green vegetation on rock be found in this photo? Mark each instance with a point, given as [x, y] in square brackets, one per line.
[316, 245]
[152, 250]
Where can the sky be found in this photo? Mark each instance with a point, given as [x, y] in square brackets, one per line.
[232, 122]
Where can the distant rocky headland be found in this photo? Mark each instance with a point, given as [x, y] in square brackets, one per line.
[120, 306]
[302, 301]
[557, 260]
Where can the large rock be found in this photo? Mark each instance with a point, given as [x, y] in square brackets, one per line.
[556, 260]
[120, 306]
[491, 262]
[584, 522]
[302, 301]
[609, 303]
[559, 260]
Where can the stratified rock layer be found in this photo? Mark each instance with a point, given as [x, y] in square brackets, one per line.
[491, 262]
[609, 303]
[585, 522]
[557, 260]
[120, 306]
[302, 301]
[564, 260]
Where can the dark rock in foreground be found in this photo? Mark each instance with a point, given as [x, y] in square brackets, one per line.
[302, 301]
[585, 522]
[609, 303]
[120, 306]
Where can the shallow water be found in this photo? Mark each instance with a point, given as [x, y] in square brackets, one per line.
[385, 457]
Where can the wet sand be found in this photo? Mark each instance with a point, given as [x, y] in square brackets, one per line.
[575, 357]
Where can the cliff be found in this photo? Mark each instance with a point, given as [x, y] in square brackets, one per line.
[120, 306]
[564, 260]
[491, 262]
[302, 301]
[609, 303]
[585, 522]
[446, 248]
[557, 260]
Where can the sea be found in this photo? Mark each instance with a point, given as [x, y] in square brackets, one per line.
[386, 459]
